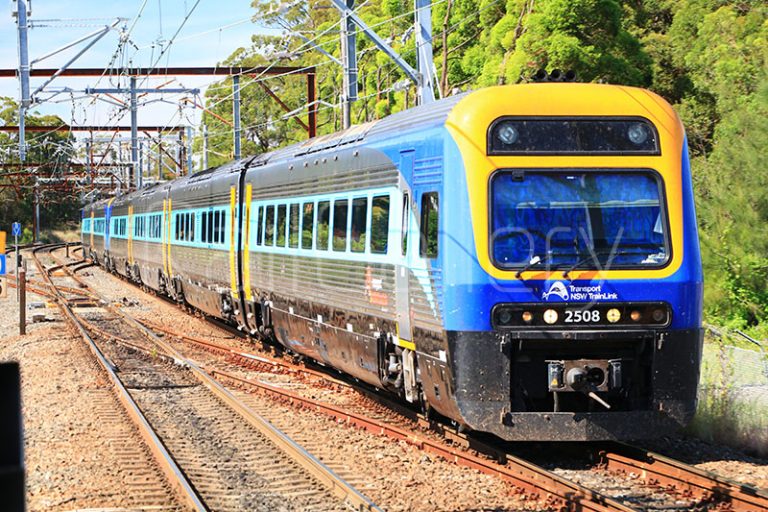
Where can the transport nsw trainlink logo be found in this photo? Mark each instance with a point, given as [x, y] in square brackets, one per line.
[572, 292]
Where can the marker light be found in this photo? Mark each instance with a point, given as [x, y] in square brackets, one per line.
[637, 133]
[550, 316]
[635, 315]
[507, 133]
[527, 317]
[659, 315]
[613, 315]
[505, 317]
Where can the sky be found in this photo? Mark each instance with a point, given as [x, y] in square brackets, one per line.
[212, 32]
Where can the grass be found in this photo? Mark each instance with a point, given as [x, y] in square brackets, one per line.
[733, 398]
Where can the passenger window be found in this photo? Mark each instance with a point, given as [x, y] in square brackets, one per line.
[280, 227]
[215, 217]
[293, 226]
[307, 222]
[269, 232]
[191, 227]
[210, 230]
[222, 225]
[379, 224]
[357, 231]
[260, 226]
[323, 220]
[340, 208]
[205, 227]
[429, 223]
[404, 227]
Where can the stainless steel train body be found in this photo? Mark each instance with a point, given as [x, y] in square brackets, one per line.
[373, 251]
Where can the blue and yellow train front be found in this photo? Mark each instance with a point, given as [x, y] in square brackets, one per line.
[573, 288]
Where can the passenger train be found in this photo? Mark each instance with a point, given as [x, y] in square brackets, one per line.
[522, 260]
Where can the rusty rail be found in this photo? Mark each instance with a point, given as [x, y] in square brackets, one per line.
[173, 473]
[666, 472]
[653, 467]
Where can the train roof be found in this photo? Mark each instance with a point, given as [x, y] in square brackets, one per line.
[471, 112]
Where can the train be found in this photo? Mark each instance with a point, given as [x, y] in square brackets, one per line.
[521, 261]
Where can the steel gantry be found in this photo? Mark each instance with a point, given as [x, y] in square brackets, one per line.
[234, 71]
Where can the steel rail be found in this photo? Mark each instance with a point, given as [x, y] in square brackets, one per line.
[616, 456]
[666, 471]
[309, 462]
[535, 480]
[173, 473]
[246, 357]
[525, 475]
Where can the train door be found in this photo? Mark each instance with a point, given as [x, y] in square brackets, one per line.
[402, 278]
[405, 339]
[252, 308]
[166, 232]
[107, 229]
[236, 246]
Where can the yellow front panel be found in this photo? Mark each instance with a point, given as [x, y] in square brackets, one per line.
[246, 254]
[470, 119]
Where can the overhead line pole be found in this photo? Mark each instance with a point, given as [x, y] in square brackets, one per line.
[312, 114]
[134, 136]
[205, 147]
[424, 59]
[189, 149]
[137, 179]
[236, 113]
[21, 18]
[349, 60]
[423, 78]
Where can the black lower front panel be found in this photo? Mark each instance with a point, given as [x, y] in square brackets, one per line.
[504, 383]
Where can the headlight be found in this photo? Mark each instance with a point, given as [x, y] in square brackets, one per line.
[550, 316]
[505, 317]
[613, 315]
[508, 133]
[637, 133]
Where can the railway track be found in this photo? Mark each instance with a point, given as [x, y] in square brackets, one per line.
[707, 489]
[216, 452]
[697, 488]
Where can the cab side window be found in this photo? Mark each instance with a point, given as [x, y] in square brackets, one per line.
[429, 224]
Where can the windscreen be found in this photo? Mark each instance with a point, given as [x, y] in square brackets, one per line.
[584, 219]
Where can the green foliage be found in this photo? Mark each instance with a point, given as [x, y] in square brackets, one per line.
[706, 57]
[54, 150]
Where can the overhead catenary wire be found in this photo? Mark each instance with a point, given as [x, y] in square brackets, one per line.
[120, 113]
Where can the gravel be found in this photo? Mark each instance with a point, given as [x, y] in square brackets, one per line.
[74, 428]
[396, 475]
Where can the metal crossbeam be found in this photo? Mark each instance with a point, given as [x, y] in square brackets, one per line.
[176, 71]
[89, 128]
[91, 90]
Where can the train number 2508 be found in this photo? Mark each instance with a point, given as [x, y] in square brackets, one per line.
[576, 316]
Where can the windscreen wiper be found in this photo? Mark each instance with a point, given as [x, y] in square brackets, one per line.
[578, 262]
[536, 260]
[593, 254]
